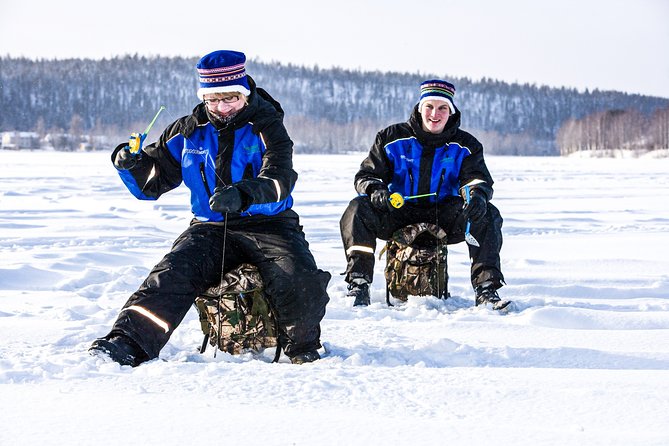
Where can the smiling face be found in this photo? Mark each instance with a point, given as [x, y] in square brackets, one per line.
[434, 114]
[224, 104]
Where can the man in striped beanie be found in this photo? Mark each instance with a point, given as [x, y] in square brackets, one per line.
[235, 155]
[224, 85]
[438, 171]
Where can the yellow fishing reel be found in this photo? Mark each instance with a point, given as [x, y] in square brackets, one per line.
[396, 200]
[135, 143]
[136, 139]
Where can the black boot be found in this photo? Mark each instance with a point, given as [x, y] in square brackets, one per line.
[361, 293]
[305, 357]
[119, 349]
[487, 294]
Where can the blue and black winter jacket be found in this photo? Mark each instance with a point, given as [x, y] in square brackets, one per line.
[253, 152]
[410, 161]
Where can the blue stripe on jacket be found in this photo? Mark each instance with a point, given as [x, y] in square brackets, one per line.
[405, 156]
[198, 169]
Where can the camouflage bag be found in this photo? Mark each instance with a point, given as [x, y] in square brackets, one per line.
[246, 319]
[416, 265]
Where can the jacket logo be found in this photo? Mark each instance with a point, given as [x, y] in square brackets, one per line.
[199, 151]
[252, 149]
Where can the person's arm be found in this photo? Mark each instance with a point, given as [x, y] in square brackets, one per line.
[474, 173]
[376, 171]
[154, 170]
[276, 178]
[475, 182]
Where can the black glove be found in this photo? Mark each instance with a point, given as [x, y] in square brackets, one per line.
[477, 206]
[380, 199]
[226, 199]
[125, 160]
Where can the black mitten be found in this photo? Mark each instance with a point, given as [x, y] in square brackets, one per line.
[226, 199]
[475, 210]
[380, 199]
[125, 160]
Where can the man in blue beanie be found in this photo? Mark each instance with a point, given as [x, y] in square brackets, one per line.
[235, 156]
[431, 157]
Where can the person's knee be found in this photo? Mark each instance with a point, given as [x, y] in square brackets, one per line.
[494, 215]
[301, 296]
[359, 207]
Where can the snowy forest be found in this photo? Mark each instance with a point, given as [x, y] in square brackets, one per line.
[617, 129]
[327, 110]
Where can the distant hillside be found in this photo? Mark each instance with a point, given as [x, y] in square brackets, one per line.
[327, 110]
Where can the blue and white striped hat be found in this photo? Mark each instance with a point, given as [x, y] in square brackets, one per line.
[222, 72]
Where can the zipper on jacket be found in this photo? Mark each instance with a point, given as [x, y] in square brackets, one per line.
[411, 192]
[204, 180]
[248, 172]
[441, 181]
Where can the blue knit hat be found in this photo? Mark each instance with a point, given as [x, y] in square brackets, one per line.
[437, 89]
[222, 72]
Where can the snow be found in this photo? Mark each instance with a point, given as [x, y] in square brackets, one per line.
[583, 359]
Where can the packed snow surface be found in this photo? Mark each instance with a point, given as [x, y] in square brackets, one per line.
[583, 358]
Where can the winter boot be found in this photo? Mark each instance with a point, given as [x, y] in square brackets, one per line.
[119, 349]
[305, 357]
[359, 290]
[487, 294]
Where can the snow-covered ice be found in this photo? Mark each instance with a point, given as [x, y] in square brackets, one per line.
[584, 359]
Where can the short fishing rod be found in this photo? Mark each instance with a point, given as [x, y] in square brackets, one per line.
[137, 139]
[397, 200]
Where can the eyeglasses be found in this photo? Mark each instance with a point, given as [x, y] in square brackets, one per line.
[213, 102]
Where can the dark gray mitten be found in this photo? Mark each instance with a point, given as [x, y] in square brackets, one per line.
[477, 207]
[380, 199]
[226, 199]
[124, 160]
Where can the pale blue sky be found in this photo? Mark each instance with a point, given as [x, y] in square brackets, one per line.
[606, 44]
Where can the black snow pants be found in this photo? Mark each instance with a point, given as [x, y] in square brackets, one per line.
[361, 224]
[295, 286]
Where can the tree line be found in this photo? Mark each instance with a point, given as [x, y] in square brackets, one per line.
[327, 110]
[613, 130]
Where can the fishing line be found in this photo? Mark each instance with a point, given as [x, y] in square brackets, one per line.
[225, 237]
